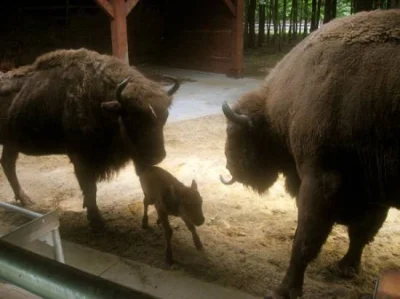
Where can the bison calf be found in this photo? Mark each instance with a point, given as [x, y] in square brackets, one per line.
[171, 197]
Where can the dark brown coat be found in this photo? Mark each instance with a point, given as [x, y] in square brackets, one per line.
[94, 108]
[171, 197]
[327, 117]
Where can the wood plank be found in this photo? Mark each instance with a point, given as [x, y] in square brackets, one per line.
[231, 6]
[237, 42]
[106, 6]
[129, 5]
[119, 31]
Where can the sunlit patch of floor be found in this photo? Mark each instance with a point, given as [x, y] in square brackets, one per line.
[247, 237]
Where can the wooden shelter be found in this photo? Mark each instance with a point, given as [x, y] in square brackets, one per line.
[204, 35]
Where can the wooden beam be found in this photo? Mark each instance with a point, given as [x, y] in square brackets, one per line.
[237, 42]
[231, 6]
[129, 5]
[119, 34]
[106, 6]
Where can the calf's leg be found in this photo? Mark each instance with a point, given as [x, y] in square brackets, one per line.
[360, 234]
[314, 225]
[168, 236]
[145, 220]
[8, 162]
[195, 236]
[87, 182]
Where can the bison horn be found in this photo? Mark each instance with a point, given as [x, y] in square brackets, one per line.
[225, 182]
[234, 117]
[152, 111]
[120, 88]
[173, 88]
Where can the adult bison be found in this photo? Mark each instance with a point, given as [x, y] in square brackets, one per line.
[328, 118]
[94, 108]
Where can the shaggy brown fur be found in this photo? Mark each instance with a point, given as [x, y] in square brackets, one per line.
[5, 66]
[66, 103]
[327, 117]
[171, 197]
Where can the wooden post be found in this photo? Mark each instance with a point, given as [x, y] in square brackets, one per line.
[119, 34]
[237, 40]
[118, 10]
[231, 7]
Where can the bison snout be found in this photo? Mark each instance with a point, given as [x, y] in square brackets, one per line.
[158, 158]
[146, 161]
[200, 221]
[153, 158]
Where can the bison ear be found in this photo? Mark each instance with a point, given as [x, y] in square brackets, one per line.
[111, 107]
[194, 185]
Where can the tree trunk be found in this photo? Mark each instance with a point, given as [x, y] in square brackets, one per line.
[394, 4]
[252, 23]
[330, 10]
[261, 23]
[305, 31]
[284, 19]
[276, 29]
[294, 19]
[290, 25]
[313, 15]
[361, 5]
[269, 20]
[318, 12]
[334, 9]
[301, 18]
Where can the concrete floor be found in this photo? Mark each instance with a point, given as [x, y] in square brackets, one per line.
[157, 282]
[200, 94]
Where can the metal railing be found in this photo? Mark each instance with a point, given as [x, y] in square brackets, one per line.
[46, 277]
[42, 227]
[53, 280]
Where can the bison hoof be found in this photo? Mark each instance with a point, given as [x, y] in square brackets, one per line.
[199, 245]
[347, 269]
[96, 222]
[168, 258]
[23, 198]
[97, 225]
[284, 293]
[145, 225]
[169, 261]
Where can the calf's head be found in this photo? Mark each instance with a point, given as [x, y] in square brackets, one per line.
[252, 151]
[142, 122]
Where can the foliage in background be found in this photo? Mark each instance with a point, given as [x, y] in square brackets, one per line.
[279, 23]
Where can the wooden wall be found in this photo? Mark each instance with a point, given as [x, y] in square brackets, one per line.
[195, 34]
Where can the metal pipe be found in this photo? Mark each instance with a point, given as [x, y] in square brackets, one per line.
[58, 250]
[25, 212]
[50, 279]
